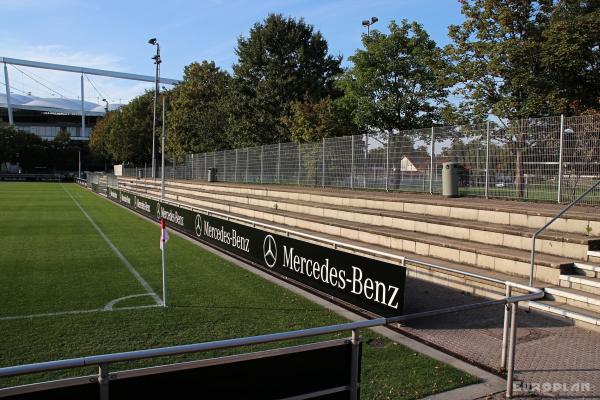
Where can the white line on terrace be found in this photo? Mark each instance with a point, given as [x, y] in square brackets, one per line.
[121, 257]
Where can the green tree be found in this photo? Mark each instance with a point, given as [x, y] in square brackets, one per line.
[398, 81]
[311, 121]
[198, 110]
[283, 60]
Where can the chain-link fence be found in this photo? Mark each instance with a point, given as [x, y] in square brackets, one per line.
[539, 159]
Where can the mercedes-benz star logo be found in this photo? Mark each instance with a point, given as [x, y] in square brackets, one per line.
[270, 251]
[158, 215]
[198, 225]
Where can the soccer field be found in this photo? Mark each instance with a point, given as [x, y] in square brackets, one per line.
[81, 276]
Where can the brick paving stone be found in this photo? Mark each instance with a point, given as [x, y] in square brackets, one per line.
[549, 351]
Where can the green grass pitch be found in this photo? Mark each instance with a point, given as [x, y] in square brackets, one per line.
[57, 274]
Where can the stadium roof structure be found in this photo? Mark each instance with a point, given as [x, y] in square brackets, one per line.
[55, 105]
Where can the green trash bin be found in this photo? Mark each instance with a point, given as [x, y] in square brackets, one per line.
[450, 179]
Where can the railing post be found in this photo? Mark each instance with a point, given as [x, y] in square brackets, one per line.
[262, 151]
[299, 161]
[205, 164]
[278, 161]
[432, 149]
[323, 166]
[103, 381]
[560, 156]
[487, 160]
[511, 353]
[192, 171]
[505, 329]
[387, 162]
[352, 164]
[354, 367]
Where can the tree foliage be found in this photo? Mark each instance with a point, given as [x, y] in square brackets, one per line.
[398, 81]
[198, 110]
[282, 61]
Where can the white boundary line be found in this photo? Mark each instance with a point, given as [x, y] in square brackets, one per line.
[115, 250]
[110, 305]
[60, 313]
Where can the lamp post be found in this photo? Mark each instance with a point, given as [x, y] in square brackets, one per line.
[106, 106]
[368, 23]
[157, 62]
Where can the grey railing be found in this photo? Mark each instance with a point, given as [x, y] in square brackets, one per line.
[103, 361]
[543, 228]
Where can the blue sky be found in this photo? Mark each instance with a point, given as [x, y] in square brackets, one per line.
[113, 34]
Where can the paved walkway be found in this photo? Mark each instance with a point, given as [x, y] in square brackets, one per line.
[556, 359]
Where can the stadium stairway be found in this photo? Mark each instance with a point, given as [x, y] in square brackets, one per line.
[487, 237]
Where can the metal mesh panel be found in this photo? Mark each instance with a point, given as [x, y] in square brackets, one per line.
[338, 161]
[290, 163]
[540, 159]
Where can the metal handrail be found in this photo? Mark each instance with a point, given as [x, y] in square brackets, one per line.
[557, 216]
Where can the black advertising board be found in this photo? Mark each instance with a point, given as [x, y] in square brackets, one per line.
[372, 285]
[286, 374]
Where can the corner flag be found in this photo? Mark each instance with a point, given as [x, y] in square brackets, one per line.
[164, 234]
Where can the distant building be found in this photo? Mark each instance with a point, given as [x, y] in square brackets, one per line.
[47, 116]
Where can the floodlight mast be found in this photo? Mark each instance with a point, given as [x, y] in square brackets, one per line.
[157, 62]
[368, 24]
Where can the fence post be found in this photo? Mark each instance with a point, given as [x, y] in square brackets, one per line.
[432, 149]
[352, 164]
[247, 161]
[262, 151]
[278, 161]
[236, 166]
[354, 365]
[299, 161]
[560, 156]
[487, 160]
[505, 329]
[366, 160]
[511, 352]
[103, 381]
[387, 162]
[323, 166]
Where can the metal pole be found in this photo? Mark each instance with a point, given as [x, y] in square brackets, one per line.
[278, 161]
[432, 149]
[247, 161]
[236, 166]
[387, 162]
[82, 108]
[299, 161]
[192, 169]
[323, 166]
[162, 173]
[487, 160]
[560, 156]
[79, 164]
[262, 151]
[164, 260]
[8, 102]
[505, 329]
[103, 381]
[366, 160]
[156, 92]
[511, 354]
[352, 164]
[354, 367]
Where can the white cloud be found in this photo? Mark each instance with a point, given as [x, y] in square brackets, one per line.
[68, 84]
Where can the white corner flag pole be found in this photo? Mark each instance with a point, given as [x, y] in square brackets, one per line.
[164, 237]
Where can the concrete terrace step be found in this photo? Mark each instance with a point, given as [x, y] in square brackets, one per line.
[506, 260]
[582, 318]
[579, 220]
[583, 269]
[561, 244]
[578, 298]
[583, 283]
